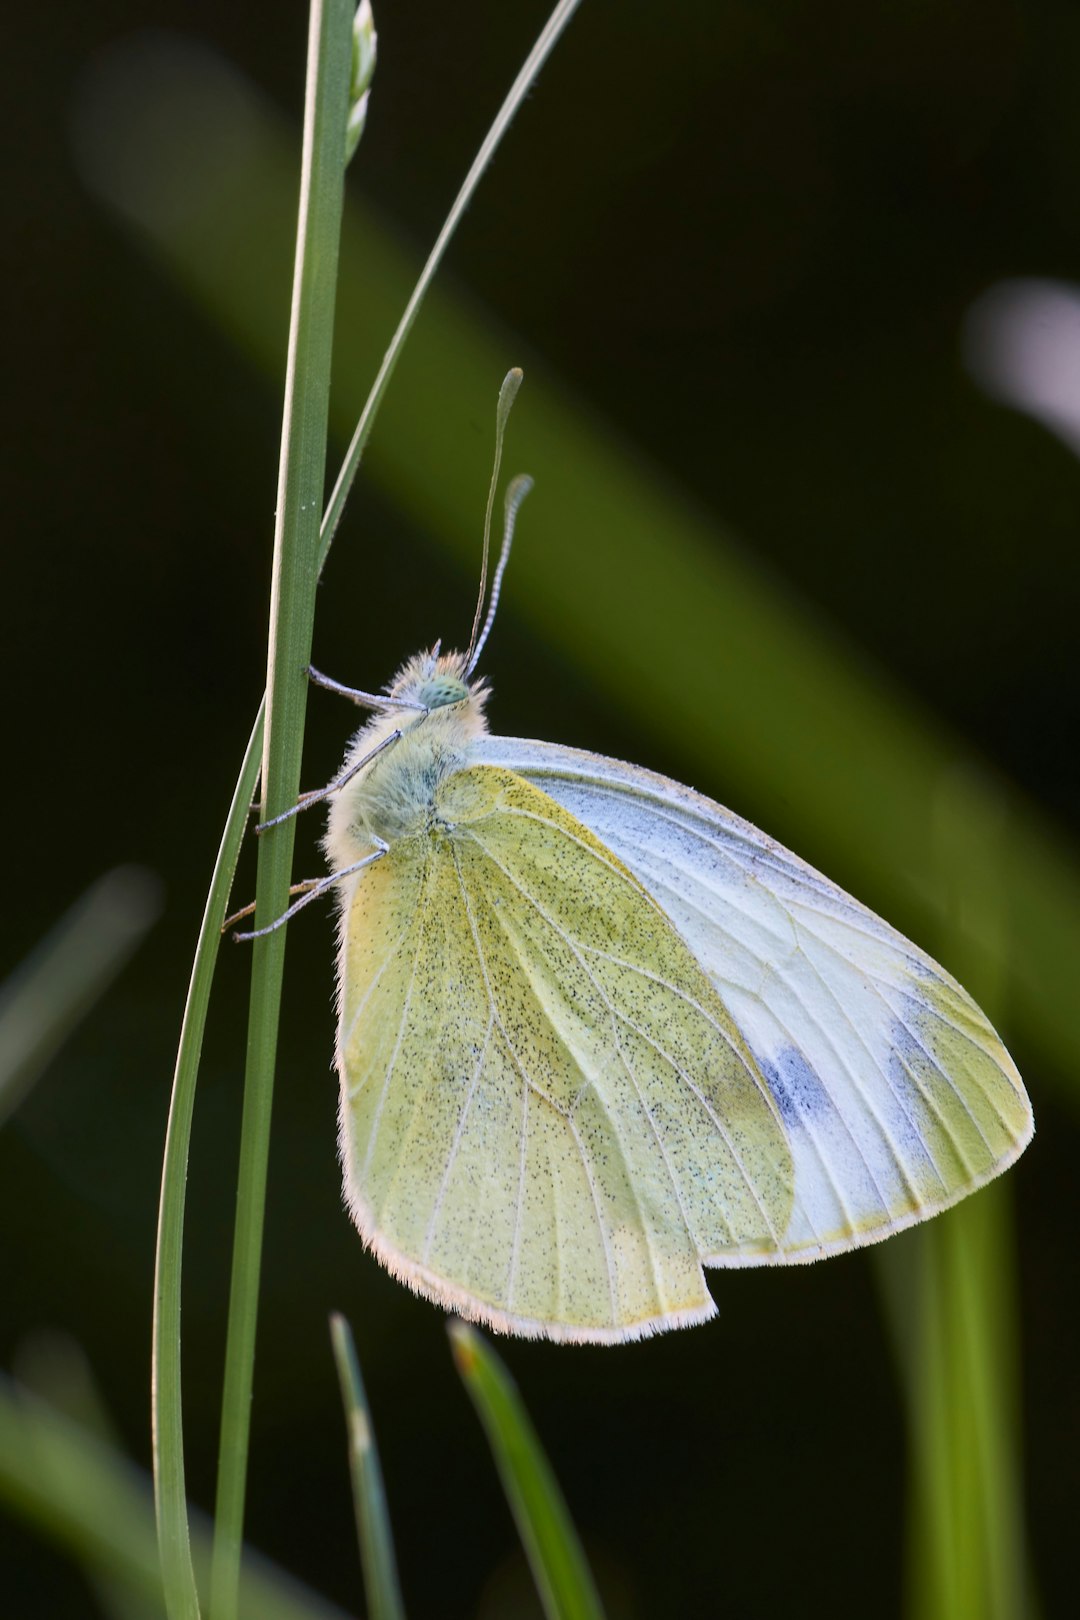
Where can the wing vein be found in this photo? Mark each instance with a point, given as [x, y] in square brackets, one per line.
[653, 1043]
[377, 1116]
[525, 1078]
[515, 1245]
[455, 1145]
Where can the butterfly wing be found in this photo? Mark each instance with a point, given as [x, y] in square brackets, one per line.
[548, 1115]
[897, 1096]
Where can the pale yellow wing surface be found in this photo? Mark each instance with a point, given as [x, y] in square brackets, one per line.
[896, 1094]
[548, 1116]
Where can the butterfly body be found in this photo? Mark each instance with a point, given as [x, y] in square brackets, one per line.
[596, 1033]
[394, 795]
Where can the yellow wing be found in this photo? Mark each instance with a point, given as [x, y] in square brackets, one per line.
[547, 1113]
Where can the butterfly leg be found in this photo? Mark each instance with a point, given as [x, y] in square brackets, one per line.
[312, 889]
[247, 911]
[318, 794]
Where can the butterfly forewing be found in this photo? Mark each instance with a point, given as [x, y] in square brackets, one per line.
[896, 1094]
[548, 1114]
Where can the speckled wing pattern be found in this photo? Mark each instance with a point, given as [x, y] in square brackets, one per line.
[896, 1095]
[548, 1115]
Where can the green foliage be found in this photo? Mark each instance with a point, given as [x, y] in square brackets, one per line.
[544, 1524]
[369, 1495]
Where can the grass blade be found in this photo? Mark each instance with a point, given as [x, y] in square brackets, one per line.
[53, 1368]
[97, 1505]
[951, 1294]
[377, 1560]
[545, 43]
[73, 966]
[950, 1291]
[292, 613]
[170, 1494]
[562, 1576]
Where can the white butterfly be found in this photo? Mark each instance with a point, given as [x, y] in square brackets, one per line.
[597, 1033]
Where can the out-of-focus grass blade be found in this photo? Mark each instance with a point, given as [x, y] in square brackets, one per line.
[95, 1504]
[950, 1289]
[560, 1571]
[617, 570]
[377, 1559]
[54, 1368]
[70, 970]
[950, 1292]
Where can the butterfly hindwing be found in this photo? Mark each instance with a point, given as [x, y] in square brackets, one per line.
[896, 1094]
[549, 1116]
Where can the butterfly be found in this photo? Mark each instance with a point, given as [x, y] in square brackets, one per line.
[596, 1033]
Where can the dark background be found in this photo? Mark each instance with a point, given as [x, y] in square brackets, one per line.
[747, 235]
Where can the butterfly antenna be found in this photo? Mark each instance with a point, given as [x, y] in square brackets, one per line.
[516, 492]
[507, 395]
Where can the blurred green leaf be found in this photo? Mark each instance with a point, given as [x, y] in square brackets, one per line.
[369, 1495]
[621, 574]
[951, 1296]
[48, 994]
[82, 1494]
[53, 1368]
[546, 1529]
[950, 1288]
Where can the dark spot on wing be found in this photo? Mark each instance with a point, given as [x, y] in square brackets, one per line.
[799, 1094]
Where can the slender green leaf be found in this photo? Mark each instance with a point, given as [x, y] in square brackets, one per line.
[952, 1297]
[545, 44]
[292, 612]
[376, 1540]
[168, 1433]
[547, 1532]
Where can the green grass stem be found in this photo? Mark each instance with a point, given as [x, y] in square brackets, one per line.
[545, 43]
[170, 1494]
[562, 1575]
[292, 614]
[377, 1560]
[951, 1294]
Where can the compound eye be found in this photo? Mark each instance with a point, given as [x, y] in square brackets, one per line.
[440, 690]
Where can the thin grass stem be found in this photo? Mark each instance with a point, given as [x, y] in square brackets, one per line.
[292, 614]
[545, 43]
[559, 1568]
[381, 1586]
[170, 1494]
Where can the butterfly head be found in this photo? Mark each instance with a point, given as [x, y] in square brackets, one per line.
[438, 680]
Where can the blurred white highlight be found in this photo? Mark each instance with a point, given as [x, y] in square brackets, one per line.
[1022, 346]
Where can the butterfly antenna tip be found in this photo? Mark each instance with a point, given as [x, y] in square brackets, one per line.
[507, 394]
